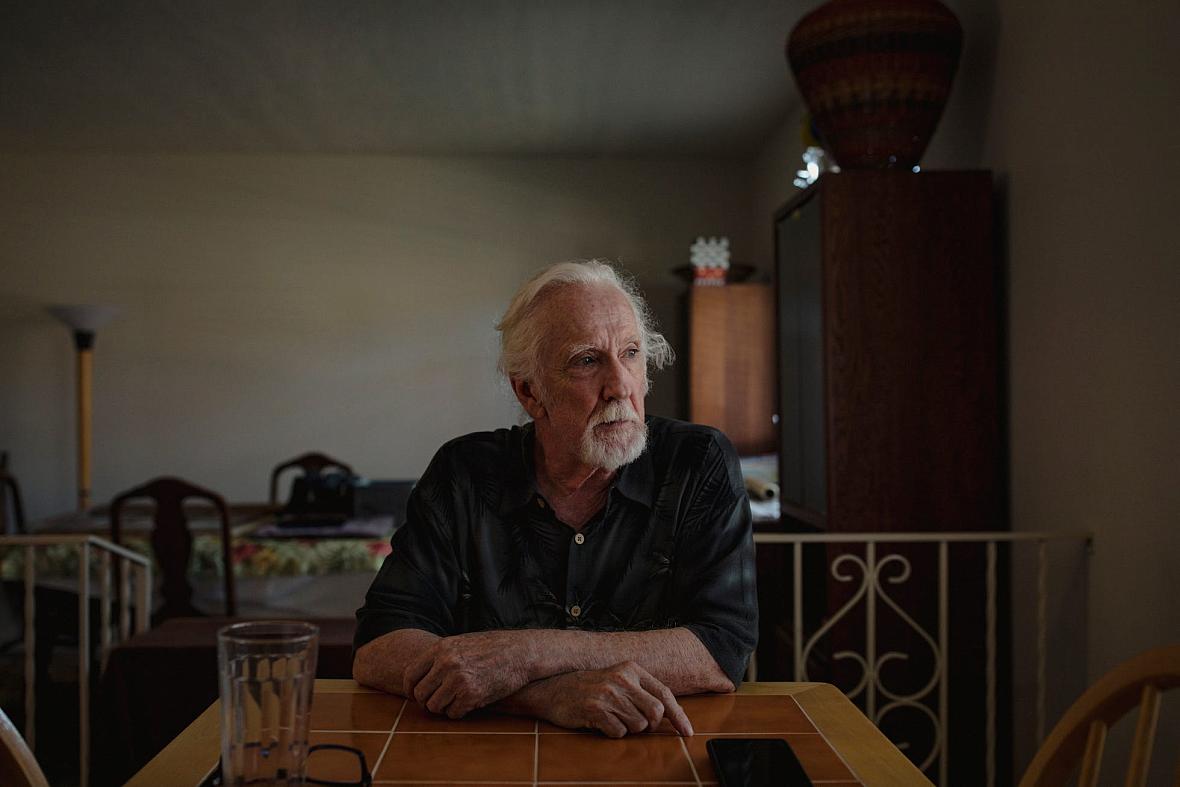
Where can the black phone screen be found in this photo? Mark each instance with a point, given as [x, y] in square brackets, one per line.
[752, 762]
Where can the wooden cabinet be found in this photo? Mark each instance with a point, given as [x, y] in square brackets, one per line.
[889, 351]
[889, 344]
[732, 363]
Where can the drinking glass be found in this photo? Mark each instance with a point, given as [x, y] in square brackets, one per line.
[267, 673]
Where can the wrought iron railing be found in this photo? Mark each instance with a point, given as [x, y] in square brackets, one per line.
[861, 567]
[115, 615]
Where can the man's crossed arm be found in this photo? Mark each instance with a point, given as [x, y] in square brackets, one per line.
[616, 682]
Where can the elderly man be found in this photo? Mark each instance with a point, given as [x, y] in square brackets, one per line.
[586, 568]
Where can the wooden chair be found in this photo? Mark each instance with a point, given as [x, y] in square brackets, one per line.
[18, 766]
[10, 490]
[312, 463]
[13, 589]
[1081, 733]
[57, 609]
[172, 542]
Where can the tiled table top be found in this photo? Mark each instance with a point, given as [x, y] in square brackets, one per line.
[403, 744]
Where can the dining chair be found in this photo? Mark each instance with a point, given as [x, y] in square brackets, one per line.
[1080, 735]
[312, 463]
[13, 589]
[10, 492]
[172, 542]
[18, 766]
[57, 608]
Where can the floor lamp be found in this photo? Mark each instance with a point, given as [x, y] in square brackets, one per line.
[85, 320]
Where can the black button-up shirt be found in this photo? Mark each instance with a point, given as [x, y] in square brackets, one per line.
[481, 549]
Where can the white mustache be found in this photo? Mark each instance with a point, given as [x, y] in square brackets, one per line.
[618, 410]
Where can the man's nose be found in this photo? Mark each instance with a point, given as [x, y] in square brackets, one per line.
[617, 385]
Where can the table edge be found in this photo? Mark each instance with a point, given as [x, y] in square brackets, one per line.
[872, 758]
[180, 761]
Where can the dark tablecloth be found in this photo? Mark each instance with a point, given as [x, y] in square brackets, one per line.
[157, 682]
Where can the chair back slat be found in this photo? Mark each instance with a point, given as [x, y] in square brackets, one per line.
[1092, 759]
[10, 493]
[1149, 713]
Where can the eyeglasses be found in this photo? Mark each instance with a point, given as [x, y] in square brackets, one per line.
[322, 759]
[324, 762]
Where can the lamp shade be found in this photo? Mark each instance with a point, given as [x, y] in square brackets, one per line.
[87, 317]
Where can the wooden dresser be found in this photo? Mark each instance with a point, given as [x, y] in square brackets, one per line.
[732, 363]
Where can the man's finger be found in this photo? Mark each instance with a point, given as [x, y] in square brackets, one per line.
[462, 704]
[628, 712]
[426, 687]
[677, 717]
[672, 710]
[416, 671]
[649, 705]
[611, 726]
[441, 698]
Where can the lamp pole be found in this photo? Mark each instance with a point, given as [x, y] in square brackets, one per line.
[85, 320]
[84, 344]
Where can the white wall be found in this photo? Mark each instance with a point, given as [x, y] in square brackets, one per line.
[272, 305]
[1082, 133]
[774, 177]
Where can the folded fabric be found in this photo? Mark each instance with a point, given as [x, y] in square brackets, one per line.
[368, 527]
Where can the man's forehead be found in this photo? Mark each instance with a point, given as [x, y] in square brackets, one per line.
[584, 315]
[588, 307]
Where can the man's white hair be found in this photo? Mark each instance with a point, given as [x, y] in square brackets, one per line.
[521, 334]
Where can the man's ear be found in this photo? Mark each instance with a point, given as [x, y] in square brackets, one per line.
[527, 395]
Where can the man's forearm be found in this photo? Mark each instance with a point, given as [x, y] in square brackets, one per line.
[382, 662]
[675, 657]
[617, 700]
[532, 700]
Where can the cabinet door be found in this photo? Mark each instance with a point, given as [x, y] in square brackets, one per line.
[803, 453]
[910, 351]
[731, 358]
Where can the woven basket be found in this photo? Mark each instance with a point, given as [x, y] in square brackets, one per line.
[876, 75]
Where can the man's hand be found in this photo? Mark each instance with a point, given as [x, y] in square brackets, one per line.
[456, 675]
[616, 700]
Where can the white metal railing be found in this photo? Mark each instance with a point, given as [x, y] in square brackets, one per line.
[119, 628]
[868, 590]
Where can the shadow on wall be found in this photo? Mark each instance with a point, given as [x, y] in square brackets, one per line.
[37, 379]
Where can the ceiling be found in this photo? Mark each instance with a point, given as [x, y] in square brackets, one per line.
[449, 77]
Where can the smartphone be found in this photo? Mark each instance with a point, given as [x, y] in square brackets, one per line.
[753, 762]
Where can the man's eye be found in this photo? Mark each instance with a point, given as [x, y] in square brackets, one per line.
[632, 352]
[584, 360]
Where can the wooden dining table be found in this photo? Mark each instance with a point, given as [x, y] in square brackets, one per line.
[404, 744]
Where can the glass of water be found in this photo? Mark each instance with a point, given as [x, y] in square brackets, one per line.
[267, 673]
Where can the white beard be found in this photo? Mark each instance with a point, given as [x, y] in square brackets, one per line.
[611, 453]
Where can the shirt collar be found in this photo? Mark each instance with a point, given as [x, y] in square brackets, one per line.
[635, 481]
[520, 478]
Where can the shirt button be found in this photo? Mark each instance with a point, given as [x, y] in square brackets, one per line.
[579, 539]
[540, 503]
[576, 611]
